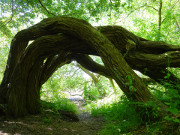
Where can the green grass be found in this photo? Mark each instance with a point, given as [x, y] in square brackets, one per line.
[65, 104]
[121, 116]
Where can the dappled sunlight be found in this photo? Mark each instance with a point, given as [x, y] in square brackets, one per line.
[92, 67]
[107, 100]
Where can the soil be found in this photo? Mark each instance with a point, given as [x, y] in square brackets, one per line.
[50, 123]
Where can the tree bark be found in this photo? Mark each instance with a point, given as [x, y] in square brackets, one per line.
[59, 40]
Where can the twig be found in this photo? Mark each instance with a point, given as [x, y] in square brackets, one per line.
[46, 8]
[138, 9]
[152, 7]
[170, 10]
[12, 10]
[177, 24]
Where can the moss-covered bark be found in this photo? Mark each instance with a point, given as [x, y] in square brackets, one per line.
[59, 40]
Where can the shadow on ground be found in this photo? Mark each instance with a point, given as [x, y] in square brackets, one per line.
[49, 123]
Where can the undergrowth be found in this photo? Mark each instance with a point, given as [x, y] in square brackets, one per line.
[123, 117]
[126, 117]
[55, 98]
[120, 115]
[60, 104]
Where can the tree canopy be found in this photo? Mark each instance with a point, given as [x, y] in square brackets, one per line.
[159, 14]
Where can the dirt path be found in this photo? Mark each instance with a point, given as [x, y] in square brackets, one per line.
[49, 123]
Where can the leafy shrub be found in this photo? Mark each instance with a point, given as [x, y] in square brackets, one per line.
[121, 116]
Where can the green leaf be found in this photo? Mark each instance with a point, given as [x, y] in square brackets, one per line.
[173, 110]
[176, 120]
[167, 118]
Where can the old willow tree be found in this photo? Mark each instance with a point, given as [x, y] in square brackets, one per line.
[59, 40]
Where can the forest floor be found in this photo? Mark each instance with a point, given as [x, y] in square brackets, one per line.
[49, 123]
[64, 123]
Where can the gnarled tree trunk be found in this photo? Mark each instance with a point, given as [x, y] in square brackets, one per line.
[59, 40]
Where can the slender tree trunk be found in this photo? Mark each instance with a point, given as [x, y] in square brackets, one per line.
[113, 86]
[159, 20]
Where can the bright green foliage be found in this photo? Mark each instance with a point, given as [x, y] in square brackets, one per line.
[120, 115]
[53, 90]
[168, 94]
[90, 93]
[140, 17]
[3, 57]
[171, 98]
